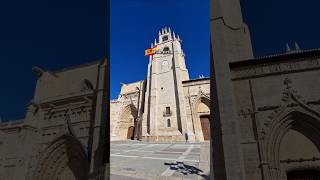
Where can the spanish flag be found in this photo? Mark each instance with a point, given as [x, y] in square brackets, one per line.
[150, 51]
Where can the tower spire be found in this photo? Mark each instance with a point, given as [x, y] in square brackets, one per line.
[288, 47]
[297, 46]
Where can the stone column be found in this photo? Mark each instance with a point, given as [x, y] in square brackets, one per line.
[230, 41]
[99, 129]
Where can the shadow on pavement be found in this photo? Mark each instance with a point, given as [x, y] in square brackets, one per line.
[185, 169]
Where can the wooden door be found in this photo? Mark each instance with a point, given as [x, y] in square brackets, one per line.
[205, 124]
[130, 134]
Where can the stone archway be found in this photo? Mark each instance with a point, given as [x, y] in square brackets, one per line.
[127, 124]
[64, 158]
[201, 116]
[293, 144]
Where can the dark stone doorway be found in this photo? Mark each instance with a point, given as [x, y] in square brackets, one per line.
[205, 125]
[303, 175]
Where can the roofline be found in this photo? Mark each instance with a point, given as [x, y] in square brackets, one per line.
[79, 66]
[133, 82]
[276, 58]
[194, 80]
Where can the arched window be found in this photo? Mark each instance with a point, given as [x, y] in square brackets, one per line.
[166, 49]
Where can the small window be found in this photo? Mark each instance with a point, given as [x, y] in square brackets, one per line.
[168, 110]
[166, 49]
[168, 123]
[164, 38]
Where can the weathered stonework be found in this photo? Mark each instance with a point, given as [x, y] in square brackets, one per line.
[278, 113]
[265, 113]
[57, 140]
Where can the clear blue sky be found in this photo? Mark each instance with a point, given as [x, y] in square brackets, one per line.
[51, 34]
[135, 24]
[273, 23]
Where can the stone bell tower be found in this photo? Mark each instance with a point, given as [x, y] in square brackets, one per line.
[164, 117]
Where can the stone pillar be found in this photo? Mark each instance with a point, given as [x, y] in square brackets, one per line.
[99, 130]
[230, 41]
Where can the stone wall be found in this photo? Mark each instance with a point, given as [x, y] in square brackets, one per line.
[278, 108]
[57, 128]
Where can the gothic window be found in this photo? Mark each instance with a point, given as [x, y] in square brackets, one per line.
[164, 38]
[165, 66]
[168, 123]
[168, 110]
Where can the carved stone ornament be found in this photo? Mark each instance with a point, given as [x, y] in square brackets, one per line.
[67, 123]
[38, 71]
[33, 108]
[86, 85]
[290, 99]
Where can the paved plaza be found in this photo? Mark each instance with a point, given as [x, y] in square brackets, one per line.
[141, 160]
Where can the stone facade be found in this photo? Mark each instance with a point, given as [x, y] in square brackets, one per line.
[265, 113]
[279, 113]
[61, 133]
[165, 105]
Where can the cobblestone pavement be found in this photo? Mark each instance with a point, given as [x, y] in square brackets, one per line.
[135, 160]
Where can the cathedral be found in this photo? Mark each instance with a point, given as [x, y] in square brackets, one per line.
[167, 104]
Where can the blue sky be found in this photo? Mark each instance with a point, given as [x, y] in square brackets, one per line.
[273, 23]
[135, 24]
[51, 34]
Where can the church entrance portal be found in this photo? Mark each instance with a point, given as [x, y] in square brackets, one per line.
[130, 134]
[125, 129]
[64, 158]
[205, 124]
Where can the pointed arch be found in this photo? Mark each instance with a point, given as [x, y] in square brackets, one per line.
[296, 116]
[199, 102]
[65, 153]
[126, 122]
[129, 110]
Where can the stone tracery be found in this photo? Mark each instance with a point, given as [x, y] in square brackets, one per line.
[63, 154]
[293, 114]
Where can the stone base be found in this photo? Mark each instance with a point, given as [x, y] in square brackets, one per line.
[171, 139]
